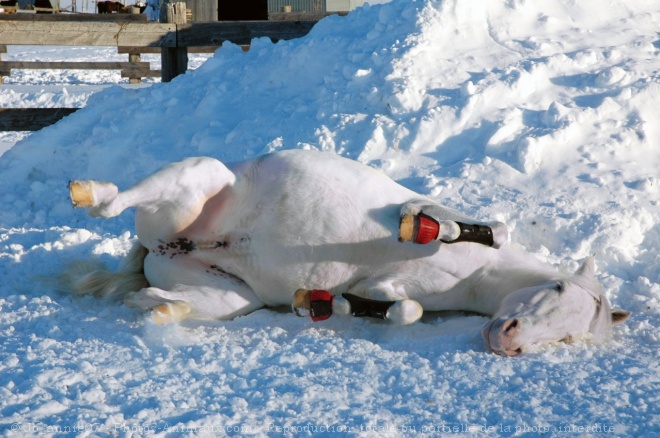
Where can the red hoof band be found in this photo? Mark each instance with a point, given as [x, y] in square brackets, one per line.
[320, 305]
[428, 230]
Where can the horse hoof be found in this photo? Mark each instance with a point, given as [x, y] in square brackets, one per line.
[86, 194]
[404, 312]
[169, 313]
[316, 303]
[407, 228]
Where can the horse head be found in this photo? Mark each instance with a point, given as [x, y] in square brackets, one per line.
[560, 309]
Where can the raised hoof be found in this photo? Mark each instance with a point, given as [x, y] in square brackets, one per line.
[81, 194]
[85, 194]
[169, 313]
[404, 312]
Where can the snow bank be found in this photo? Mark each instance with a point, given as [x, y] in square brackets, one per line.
[542, 116]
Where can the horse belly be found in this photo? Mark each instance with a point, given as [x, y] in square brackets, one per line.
[325, 223]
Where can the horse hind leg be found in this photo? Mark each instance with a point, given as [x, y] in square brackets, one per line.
[183, 186]
[199, 303]
[91, 194]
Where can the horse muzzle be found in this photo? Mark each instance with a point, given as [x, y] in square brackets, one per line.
[501, 336]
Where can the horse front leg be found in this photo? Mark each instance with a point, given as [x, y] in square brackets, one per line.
[423, 221]
[370, 298]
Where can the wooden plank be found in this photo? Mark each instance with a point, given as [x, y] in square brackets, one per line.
[301, 16]
[140, 73]
[145, 50]
[47, 10]
[147, 34]
[31, 119]
[239, 32]
[68, 65]
[133, 18]
[87, 34]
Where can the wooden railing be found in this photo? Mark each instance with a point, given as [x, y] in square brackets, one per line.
[31, 119]
[132, 36]
[136, 35]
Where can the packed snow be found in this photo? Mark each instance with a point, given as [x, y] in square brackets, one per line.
[543, 115]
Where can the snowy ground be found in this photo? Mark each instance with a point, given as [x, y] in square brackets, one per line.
[541, 116]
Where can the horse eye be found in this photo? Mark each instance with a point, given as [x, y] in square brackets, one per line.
[559, 287]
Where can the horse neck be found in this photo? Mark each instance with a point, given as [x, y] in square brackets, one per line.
[513, 270]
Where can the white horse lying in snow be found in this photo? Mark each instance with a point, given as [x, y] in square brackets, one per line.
[220, 241]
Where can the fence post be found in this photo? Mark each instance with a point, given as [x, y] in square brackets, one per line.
[174, 60]
[3, 49]
[134, 58]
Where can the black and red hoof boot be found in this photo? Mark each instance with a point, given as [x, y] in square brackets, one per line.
[418, 228]
[315, 303]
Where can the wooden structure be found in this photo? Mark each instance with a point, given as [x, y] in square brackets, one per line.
[132, 37]
[31, 119]
[139, 18]
[107, 33]
[174, 60]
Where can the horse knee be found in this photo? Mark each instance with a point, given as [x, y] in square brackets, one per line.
[404, 312]
[500, 234]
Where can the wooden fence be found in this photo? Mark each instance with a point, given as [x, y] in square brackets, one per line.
[70, 33]
[130, 33]
[133, 69]
[131, 37]
[31, 119]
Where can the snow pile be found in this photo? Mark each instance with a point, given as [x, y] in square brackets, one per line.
[541, 116]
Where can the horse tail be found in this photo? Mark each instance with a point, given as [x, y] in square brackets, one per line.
[88, 278]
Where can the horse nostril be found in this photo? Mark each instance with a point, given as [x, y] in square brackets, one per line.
[515, 352]
[510, 325]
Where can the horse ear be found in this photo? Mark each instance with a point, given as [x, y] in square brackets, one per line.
[588, 268]
[619, 315]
